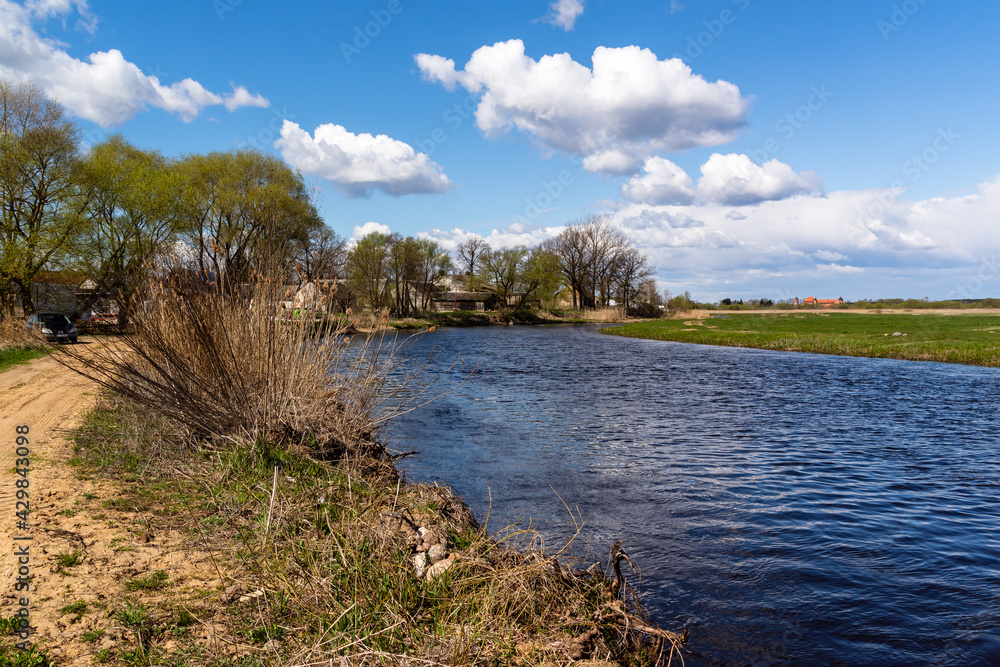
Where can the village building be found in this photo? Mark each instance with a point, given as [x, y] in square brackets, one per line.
[826, 303]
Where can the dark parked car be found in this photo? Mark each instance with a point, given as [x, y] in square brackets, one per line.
[56, 327]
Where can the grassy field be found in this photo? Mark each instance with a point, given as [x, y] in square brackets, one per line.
[960, 339]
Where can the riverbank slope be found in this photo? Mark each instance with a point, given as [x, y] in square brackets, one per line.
[148, 549]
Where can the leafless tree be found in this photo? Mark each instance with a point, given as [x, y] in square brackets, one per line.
[470, 254]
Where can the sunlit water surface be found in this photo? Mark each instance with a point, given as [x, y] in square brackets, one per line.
[788, 508]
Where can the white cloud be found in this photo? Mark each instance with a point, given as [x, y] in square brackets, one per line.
[359, 164]
[442, 70]
[852, 243]
[864, 243]
[726, 179]
[829, 256]
[662, 182]
[840, 268]
[507, 237]
[736, 179]
[241, 97]
[629, 106]
[563, 13]
[44, 9]
[361, 231]
[106, 88]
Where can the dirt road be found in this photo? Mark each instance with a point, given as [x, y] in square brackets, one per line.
[83, 546]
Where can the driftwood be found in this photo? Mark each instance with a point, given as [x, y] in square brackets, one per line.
[634, 623]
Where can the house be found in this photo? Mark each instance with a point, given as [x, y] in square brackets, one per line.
[448, 301]
[57, 291]
[826, 303]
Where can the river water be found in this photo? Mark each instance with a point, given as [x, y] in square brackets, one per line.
[788, 508]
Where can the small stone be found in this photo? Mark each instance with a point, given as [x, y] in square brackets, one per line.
[420, 564]
[439, 568]
[252, 596]
[437, 553]
[233, 592]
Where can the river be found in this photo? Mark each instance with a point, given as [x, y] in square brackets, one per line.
[788, 508]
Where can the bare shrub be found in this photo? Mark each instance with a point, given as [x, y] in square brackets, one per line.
[14, 334]
[234, 366]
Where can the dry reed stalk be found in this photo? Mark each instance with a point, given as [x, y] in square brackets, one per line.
[233, 366]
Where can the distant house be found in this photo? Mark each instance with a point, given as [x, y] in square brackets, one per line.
[826, 303]
[448, 301]
[57, 291]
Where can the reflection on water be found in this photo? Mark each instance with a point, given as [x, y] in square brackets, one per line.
[789, 508]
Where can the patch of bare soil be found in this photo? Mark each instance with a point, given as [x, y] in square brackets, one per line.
[91, 556]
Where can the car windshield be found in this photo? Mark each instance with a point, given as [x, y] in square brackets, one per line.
[53, 319]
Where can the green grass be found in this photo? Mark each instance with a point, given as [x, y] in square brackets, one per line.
[69, 559]
[959, 339]
[14, 657]
[77, 608]
[91, 636]
[151, 583]
[15, 356]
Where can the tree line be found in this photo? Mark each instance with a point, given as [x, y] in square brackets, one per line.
[117, 213]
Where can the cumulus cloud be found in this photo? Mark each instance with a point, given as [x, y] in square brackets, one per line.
[829, 256]
[852, 243]
[628, 106]
[840, 268]
[662, 182]
[360, 164]
[105, 88]
[507, 237]
[675, 220]
[736, 179]
[45, 9]
[726, 179]
[241, 97]
[361, 231]
[563, 13]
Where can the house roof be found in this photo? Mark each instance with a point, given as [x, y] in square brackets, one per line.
[463, 296]
[60, 277]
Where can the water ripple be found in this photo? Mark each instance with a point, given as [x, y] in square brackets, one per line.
[790, 508]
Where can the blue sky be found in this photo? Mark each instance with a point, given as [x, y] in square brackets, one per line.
[751, 149]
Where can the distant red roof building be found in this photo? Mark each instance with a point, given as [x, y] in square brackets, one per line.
[813, 301]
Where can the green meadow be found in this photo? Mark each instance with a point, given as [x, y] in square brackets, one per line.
[952, 338]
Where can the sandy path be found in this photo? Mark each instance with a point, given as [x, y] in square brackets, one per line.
[70, 513]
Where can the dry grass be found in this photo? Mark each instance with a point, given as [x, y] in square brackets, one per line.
[14, 335]
[597, 315]
[231, 367]
[315, 528]
[320, 559]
